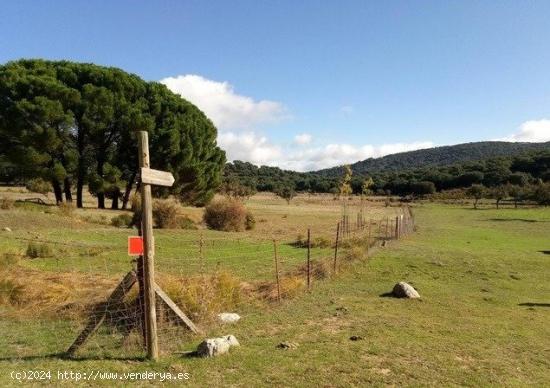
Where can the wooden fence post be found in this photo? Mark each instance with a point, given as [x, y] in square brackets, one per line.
[397, 228]
[277, 270]
[148, 252]
[336, 248]
[308, 259]
[369, 236]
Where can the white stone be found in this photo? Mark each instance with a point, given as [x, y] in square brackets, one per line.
[211, 347]
[229, 317]
[405, 290]
[6, 229]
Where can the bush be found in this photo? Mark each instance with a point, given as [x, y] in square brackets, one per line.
[6, 203]
[250, 222]
[166, 214]
[66, 209]
[228, 215]
[38, 185]
[35, 250]
[122, 221]
[184, 222]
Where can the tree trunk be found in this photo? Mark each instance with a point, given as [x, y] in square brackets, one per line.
[116, 195]
[67, 189]
[498, 203]
[79, 187]
[475, 203]
[128, 191]
[57, 191]
[101, 194]
[101, 200]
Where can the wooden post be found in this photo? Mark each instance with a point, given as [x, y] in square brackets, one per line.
[397, 228]
[148, 252]
[368, 237]
[308, 259]
[387, 227]
[277, 270]
[336, 247]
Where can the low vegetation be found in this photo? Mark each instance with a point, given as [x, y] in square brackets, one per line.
[36, 250]
[228, 215]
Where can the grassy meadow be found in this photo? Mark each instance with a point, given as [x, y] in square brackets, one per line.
[484, 278]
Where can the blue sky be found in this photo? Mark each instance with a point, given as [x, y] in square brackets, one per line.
[311, 84]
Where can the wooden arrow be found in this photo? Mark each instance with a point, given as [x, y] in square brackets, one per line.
[156, 177]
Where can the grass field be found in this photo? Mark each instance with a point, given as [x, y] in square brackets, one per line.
[482, 320]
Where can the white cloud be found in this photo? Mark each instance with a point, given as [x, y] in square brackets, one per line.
[302, 139]
[237, 116]
[249, 147]
[222, 105]
[531, 131]
[337, 154]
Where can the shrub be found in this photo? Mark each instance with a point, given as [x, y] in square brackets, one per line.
[38, 185]
[35, 250]
[250, 222]
[317, 242]
[6, 203]
[227, 215]
[66, 209]
[184, 222]
[166, 214]
[122, 220]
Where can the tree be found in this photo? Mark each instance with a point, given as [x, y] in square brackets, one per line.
[476, 192]
[62, 121]
[517, 193]
[286, 192]
[423, 188]
[345, 183]
[498, 193]
[232, 188]
[366, 187]
[541, 194]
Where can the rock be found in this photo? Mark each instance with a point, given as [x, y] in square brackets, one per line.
[405, 290]
[355, 338]
[287, 345]
[229, 317]
[6, 229]
[211, 347]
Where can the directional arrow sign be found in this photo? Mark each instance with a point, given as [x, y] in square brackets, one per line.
[156, 177]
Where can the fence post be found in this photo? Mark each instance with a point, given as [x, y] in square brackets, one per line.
[336, 247]
[397, 228]
[308, 259]
[369, 236]
[277, 270]
[148, 252]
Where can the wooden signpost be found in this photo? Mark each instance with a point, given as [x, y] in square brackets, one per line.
[151, 291]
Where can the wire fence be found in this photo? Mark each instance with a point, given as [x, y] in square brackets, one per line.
[85, 298]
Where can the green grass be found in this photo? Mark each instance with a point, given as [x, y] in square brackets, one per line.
[102, 249]
[482, 320]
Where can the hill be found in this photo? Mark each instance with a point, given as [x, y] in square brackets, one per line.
[488, 163]
[437, 157]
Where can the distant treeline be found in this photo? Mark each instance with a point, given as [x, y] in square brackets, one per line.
[521, 170]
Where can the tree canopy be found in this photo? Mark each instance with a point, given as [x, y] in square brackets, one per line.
[75, 124]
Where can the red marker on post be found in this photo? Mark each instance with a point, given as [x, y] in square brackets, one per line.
[135, 246]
